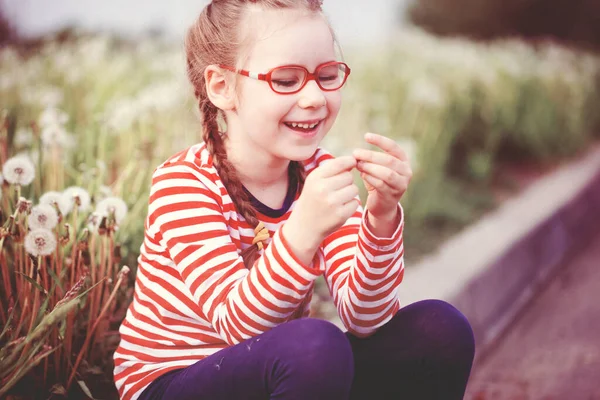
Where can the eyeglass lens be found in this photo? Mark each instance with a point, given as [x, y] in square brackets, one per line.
[289, 79]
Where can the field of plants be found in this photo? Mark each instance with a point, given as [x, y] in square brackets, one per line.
[85, 120]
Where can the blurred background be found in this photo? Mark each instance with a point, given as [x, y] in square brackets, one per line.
[486, 96]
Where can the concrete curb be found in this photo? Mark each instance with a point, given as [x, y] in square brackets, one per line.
[496, 266]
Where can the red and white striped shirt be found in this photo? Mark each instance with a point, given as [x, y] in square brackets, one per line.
[194, 296]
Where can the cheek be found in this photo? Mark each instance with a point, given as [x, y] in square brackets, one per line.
[334, 103]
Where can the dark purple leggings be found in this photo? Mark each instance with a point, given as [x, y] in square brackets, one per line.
[424, 352]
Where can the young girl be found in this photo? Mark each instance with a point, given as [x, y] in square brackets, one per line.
[241, 225]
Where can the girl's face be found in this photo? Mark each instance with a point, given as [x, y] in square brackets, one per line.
[263, 116]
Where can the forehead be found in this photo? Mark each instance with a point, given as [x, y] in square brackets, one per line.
[281, 37]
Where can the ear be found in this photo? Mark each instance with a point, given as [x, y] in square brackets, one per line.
[220, 90]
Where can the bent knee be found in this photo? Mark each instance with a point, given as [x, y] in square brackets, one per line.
[443, 325]
[312, 338]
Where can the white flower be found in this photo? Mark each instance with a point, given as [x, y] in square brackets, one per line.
[23, 137]
[43, 216]
[19, 170]
[56, 135]
[93, 222]
[51, 197]
[105, 206]
[40, 242]
[84, 197]
[52, 116]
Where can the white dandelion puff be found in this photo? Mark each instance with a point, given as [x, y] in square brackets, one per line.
[18, 170]
[105, 206]
[51, 197]
[53, 116]
[40, 242]
[93, 222]
[55, 135]
[75, 191]
[43, 216]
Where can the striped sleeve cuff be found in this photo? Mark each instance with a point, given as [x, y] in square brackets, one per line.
[378, 247]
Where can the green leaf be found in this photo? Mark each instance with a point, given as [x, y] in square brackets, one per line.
[30, 280]
[56, 280]
[5, 329]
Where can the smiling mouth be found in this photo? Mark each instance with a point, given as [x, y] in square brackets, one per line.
[303, 127]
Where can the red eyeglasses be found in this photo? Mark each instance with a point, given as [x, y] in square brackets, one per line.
[290, 79]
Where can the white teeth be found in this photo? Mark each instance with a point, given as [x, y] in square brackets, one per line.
[304, 126]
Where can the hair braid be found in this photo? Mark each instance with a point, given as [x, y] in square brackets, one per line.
[227, 173]
[214, 39]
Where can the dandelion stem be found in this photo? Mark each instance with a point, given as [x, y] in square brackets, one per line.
[74, 245]
[5, 274]
[89, 332]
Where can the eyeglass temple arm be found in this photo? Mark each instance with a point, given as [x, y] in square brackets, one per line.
[261, 77]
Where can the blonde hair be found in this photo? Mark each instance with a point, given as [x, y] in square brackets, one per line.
[213, 39]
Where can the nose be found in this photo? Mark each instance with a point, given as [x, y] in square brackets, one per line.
[311, 96]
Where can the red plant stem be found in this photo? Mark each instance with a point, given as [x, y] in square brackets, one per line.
[67, 340]
[36, 295]
[102, 271]
[23, 294]
[6, 279]
[74, 246]
[89, 332]
[2, 315]
[111, 248]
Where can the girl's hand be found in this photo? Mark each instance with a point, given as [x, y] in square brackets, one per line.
[328, 199]
[386, 175]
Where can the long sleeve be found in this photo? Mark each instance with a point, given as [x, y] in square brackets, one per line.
[186, 216]
[363, 273]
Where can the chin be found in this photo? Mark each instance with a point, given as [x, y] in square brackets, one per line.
[301, 153]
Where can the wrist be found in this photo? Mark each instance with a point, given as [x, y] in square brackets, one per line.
[383, 225]
[303, 242]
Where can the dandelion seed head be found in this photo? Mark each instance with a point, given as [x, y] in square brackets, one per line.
[84, 197]
[52, 116]
[112, 203]
[51, 197]
[93, 221]
[43, 216]
[40, 242]
[55, 135]
[19, 170]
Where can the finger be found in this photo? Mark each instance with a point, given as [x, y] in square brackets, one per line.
[337, 165]
[339, 181]
[346, 194]
[390, 178]
[380, 158]
[351, 206]
[386, 144]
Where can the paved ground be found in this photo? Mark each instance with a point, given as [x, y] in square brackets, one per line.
[552, 352]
